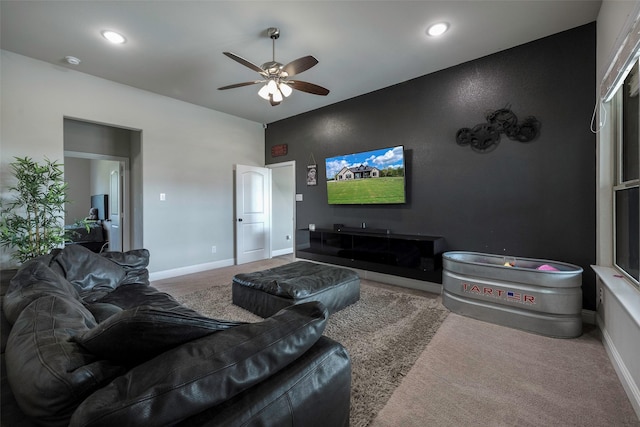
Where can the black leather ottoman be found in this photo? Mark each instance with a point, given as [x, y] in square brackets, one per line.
[267, 292]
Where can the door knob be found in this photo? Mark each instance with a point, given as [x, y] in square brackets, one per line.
[239, 219]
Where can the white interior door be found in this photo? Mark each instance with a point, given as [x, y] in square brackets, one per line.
[115, 209]
[253, 213]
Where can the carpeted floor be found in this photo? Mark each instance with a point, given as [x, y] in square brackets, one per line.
[471, 373]
[475, 373]
[384, 332]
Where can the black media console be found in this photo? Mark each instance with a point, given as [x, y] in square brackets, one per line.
[413, 256]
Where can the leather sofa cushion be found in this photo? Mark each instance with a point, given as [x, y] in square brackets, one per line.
[296, 280]
[102, 311]
[135, 264]
[132, 296]
[34, 280]
[204, 372]
[48, 374]
[94, 276]
[135, 335]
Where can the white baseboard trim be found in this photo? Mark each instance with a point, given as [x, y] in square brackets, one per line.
[181, 271]
[282, 252]
[629, 385]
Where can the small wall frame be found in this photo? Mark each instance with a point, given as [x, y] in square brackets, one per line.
[312, 171]
[312, 175]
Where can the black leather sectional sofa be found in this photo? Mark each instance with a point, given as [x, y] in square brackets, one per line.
[86, 341]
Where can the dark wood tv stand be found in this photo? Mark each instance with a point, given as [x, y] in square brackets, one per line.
[413, 256]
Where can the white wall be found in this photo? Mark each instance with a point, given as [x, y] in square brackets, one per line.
[188, 152]
[619, 308]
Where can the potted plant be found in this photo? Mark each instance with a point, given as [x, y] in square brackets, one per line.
[33, 220]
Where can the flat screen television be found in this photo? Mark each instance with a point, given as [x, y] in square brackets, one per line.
[367, 178]
[101, 202]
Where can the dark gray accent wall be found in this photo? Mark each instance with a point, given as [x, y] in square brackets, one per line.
[533, 199]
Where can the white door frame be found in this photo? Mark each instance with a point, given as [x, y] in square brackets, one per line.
[124, 197]
[292, 164]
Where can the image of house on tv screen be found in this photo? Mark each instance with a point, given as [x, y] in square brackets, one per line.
[369, 177]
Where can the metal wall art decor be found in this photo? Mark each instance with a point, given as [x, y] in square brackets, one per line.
[484, 137]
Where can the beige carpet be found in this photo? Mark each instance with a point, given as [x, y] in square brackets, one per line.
[479, 374]
[384, 332]
[475, 373]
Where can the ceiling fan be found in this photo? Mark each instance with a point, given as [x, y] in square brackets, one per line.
[276, 76]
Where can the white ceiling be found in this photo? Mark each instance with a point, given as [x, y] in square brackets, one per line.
[174, 48]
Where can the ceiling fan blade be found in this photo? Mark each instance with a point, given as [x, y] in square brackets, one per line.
[308, 87]
[240, 85]
[244, 62]
[299, 65]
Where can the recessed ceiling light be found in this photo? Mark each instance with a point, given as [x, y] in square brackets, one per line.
[113, 37]
[438, 29]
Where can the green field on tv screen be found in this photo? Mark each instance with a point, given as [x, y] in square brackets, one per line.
[366, 191]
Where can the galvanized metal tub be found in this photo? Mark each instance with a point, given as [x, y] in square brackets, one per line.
[535, 295]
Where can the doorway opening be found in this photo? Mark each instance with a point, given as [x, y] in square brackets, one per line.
[283, 193]
[103, 162]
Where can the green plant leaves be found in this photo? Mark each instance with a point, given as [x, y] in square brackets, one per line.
[32, 220]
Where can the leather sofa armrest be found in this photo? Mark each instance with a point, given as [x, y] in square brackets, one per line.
[205, 372]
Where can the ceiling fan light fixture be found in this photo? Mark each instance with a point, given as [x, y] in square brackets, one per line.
[264, 92]
[272, 86]
[285, 89]
[276, 85]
